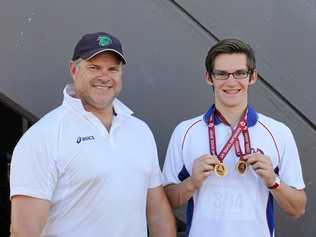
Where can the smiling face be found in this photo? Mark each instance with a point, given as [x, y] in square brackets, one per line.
[97, 81]
[231, 93]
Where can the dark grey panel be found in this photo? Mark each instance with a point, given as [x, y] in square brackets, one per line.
[269, 104]
[163, 81]
[158, 43]
[283, 35]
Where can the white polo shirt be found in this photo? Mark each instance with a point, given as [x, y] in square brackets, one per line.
[95, 180]
[234, 205]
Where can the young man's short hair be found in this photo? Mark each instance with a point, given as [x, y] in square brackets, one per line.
[230, 46]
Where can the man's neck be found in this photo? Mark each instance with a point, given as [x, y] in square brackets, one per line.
[105, 116]
[231, 114]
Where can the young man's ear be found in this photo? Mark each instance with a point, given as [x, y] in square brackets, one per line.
[208, 78]
[253, 77]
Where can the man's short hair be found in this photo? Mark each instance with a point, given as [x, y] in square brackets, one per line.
[230, 46]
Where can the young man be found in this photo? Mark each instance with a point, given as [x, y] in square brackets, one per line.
[89, 168]
[231, 162]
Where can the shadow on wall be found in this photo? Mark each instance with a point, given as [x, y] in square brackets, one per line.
[12, 127]
[5, 207]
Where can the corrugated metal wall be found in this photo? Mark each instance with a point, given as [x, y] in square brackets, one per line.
[166, 43]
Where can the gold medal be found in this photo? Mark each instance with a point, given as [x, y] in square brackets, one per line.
[241, 167]
[220, 170]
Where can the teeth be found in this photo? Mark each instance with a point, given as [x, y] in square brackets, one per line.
[231, 91]
[101, 87]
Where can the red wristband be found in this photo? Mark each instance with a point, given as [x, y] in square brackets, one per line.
[276, 184]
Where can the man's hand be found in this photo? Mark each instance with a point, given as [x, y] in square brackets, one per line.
[202, 168]
[179, 194]
[262, 165]
[291, 200]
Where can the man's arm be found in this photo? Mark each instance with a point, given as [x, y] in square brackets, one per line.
[29, 216]
[161, 221]
[291, 200]
[179, 194]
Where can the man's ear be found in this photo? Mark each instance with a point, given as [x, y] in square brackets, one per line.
[208, 78]
[253, 77]
[73, 69]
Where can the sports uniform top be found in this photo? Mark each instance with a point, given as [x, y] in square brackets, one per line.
[95, 180]
[234, 205]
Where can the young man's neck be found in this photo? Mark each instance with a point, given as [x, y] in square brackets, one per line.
[231, 114]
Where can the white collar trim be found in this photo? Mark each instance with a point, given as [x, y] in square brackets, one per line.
[75, 103]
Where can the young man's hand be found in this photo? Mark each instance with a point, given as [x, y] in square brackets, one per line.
[262, 165]
[202, 168]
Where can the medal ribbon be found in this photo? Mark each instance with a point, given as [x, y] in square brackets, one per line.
[247, 144]
[233, 140]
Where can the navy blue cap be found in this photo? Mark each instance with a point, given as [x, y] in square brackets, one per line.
[94, 43]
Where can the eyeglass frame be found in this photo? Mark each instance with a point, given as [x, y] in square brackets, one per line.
[248, 73]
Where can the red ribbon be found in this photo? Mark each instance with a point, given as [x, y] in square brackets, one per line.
[233, 140]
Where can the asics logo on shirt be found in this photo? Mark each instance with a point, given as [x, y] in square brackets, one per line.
[83, 139]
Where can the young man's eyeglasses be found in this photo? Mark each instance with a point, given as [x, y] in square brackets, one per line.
[223, 75]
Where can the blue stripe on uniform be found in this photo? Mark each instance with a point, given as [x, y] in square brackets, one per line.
[270, 210]
[190, 207]
[270, 214]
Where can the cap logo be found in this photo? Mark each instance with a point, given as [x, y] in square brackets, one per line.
[104, 41]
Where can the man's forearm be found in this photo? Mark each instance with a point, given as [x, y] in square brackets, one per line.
[25, 231]
[292, 201]
[163, 225]
[179, 194]
[161, 221]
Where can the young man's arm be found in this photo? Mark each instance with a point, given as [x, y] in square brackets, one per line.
[179, 194]
[29, 216]
[291, 200]
[161, 221]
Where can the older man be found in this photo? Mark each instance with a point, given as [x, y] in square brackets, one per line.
[89, 168]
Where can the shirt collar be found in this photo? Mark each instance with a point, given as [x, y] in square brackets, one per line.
[75, 103]
[252, 116]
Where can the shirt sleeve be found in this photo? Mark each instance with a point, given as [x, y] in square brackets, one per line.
[290, 170]
[156, 177]
[174, 160]
[33, 170]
